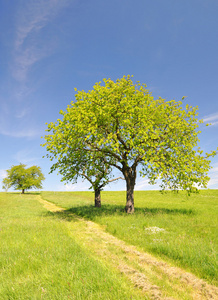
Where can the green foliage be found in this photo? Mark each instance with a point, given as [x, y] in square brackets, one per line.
[22, 178]
[74, 161]
[123, 125]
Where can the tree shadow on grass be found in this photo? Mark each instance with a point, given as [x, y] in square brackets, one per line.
[32, 193]
[26, 193]
[90, 212]
[64, 215]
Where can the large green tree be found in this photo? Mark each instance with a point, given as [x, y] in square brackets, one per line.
[22, 178]
[133, 132]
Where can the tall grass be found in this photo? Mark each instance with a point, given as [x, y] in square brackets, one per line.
[175, 227]
[40, 260]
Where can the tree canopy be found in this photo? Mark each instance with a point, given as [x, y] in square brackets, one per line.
[129, 130]
[22, 178]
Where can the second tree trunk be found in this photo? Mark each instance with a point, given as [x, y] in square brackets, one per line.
[98, 198]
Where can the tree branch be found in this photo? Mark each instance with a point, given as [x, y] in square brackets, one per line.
[116, 179]
[107, 151]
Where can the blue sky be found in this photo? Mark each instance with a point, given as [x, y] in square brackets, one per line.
[49, 47]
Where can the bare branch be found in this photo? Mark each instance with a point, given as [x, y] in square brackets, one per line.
[86, 177]
[116, 179]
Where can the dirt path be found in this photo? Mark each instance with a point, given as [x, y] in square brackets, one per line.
[156, 278]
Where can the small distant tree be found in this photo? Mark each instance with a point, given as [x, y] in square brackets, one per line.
[22, 178]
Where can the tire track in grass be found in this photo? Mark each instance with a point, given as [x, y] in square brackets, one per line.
[156, 278]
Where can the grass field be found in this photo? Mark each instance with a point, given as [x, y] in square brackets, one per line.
[188, 225]
[55, 255]
[40, 260]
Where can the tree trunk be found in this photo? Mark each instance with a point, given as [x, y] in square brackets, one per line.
[22, 191]
[97, 198]
[130, 177]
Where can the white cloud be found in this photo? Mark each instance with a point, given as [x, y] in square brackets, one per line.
[144, 184]
[69, 187]
[3, 174]
[22, 133]
[215, 169]
[22, 113]
[24, 156]
[34, 15]
[32, 18]
[213, 174]
[19, 123]
[212, 119]
[213, 181]
[32, 43]
[24, 60]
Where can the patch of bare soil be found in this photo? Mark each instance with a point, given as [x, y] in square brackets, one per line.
[156, 278]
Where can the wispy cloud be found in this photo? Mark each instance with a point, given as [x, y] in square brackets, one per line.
[212, 119]
[213, 181]
[25, 156]
[69, 187]
[22, 113]
[213, 174]
[32, 18]
[22, 133]
[3, 174]
[144, 184]
[17, 121]
[34, 39]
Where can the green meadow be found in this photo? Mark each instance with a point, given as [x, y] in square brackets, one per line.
[47, 255]
[188, 225]
[40, 260]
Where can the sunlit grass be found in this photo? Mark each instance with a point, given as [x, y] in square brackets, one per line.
[39, 259]
[189, 235]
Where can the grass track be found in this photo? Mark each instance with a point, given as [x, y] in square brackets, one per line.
[189, 239]
[39, 259]
[157, 279]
